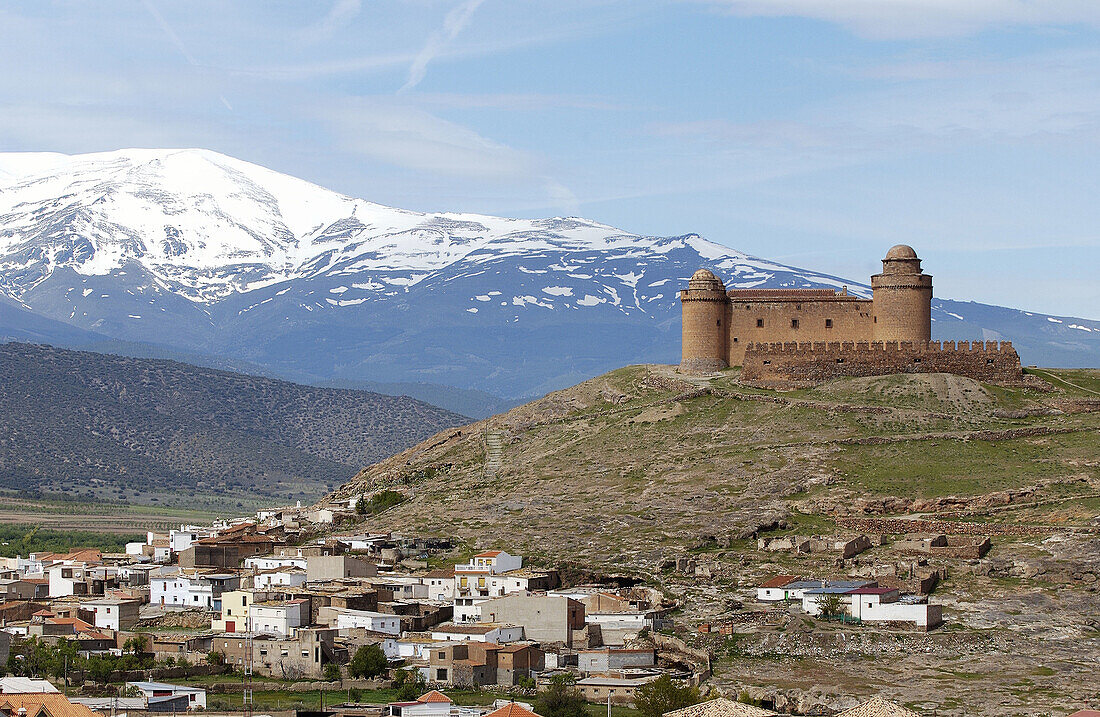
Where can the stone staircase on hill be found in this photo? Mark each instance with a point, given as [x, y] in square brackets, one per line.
[494, 453]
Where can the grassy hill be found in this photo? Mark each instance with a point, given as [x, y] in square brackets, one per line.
[87, 426]
[650, 462]
[645, 472]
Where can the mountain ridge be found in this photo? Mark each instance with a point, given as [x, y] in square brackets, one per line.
[216, 256]
[145, 430]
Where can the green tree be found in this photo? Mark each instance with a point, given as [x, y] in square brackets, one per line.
[831, 605]
[410, 685]
[215, 658]
[369, 661]
[561, 699]
[664, 695]
[332, 672]
[100, 669]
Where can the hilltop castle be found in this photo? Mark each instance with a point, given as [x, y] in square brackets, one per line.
[807, 335]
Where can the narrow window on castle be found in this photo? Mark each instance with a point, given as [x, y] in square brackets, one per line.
[840, 360]
[734, 339]
[760, 323]
[719, 322]
[798, 307]
[876, 319]
[794, 323]
[828, 323]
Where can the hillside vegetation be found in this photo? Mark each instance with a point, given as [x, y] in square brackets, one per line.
[636, 465]
[647, 473]
[100, 427]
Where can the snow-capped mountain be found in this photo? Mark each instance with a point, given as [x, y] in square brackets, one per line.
[204, 253]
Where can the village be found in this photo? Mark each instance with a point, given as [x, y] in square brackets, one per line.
[279, 601]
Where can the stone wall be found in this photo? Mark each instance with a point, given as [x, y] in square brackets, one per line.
[814, 316]
[819, 361]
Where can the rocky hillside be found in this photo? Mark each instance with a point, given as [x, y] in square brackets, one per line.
[87, 425]
[646, 472]
[651, 462]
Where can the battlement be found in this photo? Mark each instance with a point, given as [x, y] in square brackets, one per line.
[886, 347]
[813, 362]
[798, 294]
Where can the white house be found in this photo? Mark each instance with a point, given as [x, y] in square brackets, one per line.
[292, 577]
[151, 691]
[876, 604]
[115, 613]
[468, 609]
[776, 589]
[432, 704]
[373, 621]
[481, 632]
[67, 579]
[493, 561]
[410, 649]
[441, 584]
[182, 539]
[189, 588]
[280, 617]
[270, 562]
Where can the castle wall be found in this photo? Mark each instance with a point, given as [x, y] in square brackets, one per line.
[820, 361]
[836, 317]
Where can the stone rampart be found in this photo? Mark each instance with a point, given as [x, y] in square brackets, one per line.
[814, 362]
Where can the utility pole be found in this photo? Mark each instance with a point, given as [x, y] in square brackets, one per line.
[247, 706]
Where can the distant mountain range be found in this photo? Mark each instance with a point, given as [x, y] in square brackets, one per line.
[192, 254]
[83, 425]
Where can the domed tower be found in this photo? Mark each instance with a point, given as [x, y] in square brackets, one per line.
[704, 303]
[902, 298]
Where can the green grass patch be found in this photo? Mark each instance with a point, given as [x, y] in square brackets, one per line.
[953, 467]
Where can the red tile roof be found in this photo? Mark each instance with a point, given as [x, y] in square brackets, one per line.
[42, 704]
[512, 710]
[872, 591]
[779, 581]
[434, 696]
[489, 554]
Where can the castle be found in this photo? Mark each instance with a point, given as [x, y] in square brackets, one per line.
[810, 335]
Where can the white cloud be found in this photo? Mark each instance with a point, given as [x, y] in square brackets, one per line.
[886, 19]
[404, 136]
[339, 15]
[457, 19]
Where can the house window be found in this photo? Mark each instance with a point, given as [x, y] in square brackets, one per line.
[794, 323]
[828, 323]
[760, 323]
[441, 675]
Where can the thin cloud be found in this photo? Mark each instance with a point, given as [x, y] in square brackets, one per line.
[457, 19]
[908, 19]
[167, 28]
[339, 15]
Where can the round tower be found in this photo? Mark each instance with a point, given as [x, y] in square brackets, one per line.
[704, 304]
[902, 298]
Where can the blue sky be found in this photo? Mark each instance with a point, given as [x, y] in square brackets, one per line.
[817, 132]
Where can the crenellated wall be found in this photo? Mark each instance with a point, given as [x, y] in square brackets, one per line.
[813, 362]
